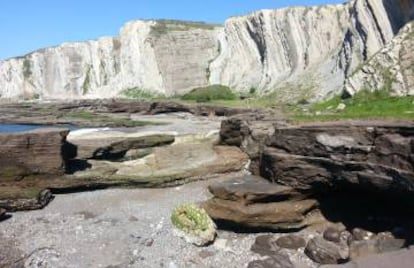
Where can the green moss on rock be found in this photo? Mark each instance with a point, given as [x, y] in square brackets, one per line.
[193, 224]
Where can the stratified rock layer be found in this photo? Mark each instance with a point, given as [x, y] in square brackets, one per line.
[36, 152]
[391, 69]
[256, 203]
[373, 156]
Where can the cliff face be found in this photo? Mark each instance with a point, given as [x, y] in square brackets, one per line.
[295, 52]
[165, 57]
[392, 68]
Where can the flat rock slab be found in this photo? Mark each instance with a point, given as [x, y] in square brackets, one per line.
[276, 215]
[253, 189]
[111, 144]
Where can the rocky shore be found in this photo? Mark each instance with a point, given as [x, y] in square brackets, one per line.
[281, 195]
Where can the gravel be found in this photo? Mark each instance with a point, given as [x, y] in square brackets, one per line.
[118, 228]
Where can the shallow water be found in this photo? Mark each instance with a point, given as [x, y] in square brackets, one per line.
[11, 128]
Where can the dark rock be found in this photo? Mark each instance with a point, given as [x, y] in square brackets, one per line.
[265, 245]
[361, 234]
[249, 132]
[332, 234]
[275, 261]
[398, 259]
[371, 156]
[35, 200]
[149, 242]
[278, 215]
[29, 153]
[2, 213]
[323, 252]
[291, 242]
[252, 189]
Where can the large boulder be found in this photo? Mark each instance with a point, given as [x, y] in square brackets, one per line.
[36, 152]
[254, 202]
[324, 252]
[252, 189]
[373, 156]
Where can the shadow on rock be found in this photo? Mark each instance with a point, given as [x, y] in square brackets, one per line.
[76, 165]
[370, 211]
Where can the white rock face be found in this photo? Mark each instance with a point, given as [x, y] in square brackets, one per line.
[392, 68]
[154, 56]
[297, 53]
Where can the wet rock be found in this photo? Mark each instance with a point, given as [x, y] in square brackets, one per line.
[361, 234]
[276, 215]
[323, 252]
[265, 245]
[253, 189]
[278, 260]
[291, 242]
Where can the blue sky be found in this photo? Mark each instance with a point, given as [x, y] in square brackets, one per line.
[27, 25]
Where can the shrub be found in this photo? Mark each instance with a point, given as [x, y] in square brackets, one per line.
[210, 93]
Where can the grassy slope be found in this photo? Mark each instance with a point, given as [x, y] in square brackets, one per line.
[364, 105]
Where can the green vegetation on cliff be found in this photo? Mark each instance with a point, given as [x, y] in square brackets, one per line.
[210, 93]
[140, 94]
[365, 104]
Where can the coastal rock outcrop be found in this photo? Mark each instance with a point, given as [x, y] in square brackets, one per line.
[256, 203]
[40, 151]
[374, 155]
[298, 52]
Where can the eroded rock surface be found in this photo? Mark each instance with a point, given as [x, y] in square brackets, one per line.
[36, 152]
[247, 202]
[368, 155]
[148, 156]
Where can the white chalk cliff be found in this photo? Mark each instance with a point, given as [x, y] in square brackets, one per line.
[296, 52]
